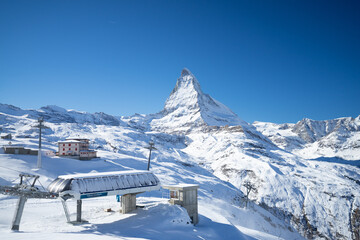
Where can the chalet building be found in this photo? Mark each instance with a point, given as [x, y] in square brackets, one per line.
[76, 148]
[18, 149]
[5, 136]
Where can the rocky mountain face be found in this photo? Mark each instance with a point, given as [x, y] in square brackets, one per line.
[319, 198]
[312, 139]
[311, 131]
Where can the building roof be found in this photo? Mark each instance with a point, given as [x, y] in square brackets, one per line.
[181, 186]
[13, 146]
[5, 134]
[101, 174]
[79, 139]
[70, 141]
[109, 183]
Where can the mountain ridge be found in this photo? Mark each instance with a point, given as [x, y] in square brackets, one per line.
[320, 138]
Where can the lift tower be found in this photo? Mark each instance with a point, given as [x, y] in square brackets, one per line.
[24, 190]
[40, 125]
[150, 147]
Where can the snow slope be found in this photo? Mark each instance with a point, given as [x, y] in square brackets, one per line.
[222, 215]
[199, 140]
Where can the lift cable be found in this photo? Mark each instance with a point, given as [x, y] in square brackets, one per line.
[43, 186]
[26, 179]
[11, 169]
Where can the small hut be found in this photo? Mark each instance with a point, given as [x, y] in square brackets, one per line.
[185, 195]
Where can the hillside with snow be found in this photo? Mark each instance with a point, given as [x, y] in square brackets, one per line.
[306, 175]
[221, 208]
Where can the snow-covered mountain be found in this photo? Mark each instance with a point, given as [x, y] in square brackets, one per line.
[188, 107]
[312, 139]
[319, 197]
[57, 114]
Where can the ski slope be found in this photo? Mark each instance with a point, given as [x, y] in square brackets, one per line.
[221, 215]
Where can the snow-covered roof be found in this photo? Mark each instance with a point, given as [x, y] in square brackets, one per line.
[181, 186]
[105, 183]
[79, 139]
[70, 141]
[13, 146]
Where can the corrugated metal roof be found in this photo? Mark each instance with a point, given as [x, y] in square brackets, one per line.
[111, 182]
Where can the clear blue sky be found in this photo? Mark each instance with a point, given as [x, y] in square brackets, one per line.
[277, 61]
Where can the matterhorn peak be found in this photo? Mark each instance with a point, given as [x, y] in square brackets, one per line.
[186, 93]
[188, 107]
[187, 81]
[185, 72]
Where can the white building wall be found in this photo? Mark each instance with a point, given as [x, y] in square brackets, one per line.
[69, 148]
[74, 147]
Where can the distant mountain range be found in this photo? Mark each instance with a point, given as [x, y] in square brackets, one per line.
[313, 139]
[305, 173]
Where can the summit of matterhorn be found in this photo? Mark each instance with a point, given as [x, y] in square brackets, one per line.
[188, 107]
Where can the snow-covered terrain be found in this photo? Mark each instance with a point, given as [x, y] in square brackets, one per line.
[222, 213]
[306, 175]
[310, 139]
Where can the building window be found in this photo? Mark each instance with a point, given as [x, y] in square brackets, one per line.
[63, 153]
[63, 144]
[69, 149]
[174, 194]
[63, 149]
[69, 144]
[75, 149]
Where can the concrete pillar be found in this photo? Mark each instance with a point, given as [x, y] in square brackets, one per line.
[128, 203]
[18, 213]
[78, 210]
[190, 204]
